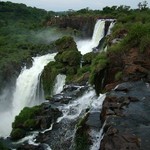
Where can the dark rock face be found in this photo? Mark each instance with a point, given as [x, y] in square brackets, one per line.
[83, 24]
[132, 64]
[126, 114]
[117, 141]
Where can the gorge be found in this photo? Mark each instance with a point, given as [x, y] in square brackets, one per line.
[88, 89]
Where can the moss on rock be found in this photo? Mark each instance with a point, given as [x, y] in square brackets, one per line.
[82, 141]
[65, 43]
[88, 57]
[17, 134]
[48, 77]
[25, 114]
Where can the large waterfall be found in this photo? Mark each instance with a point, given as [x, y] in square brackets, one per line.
[86, 46]
[27, 92]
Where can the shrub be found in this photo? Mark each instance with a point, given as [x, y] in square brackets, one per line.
[145, 43]
[87, 58]
[136, 34]
[118, 75]
[25, 114]
[17, 134]
[48, 77]
[30, 124]
[65, 43]
[98, 64]
[3, 147]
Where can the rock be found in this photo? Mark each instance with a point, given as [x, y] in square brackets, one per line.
[129, 123]
[35, 118]
[111, 131]
[17, 134]
[30, 147]
[84, 24]
[93, 120]
[115, 141]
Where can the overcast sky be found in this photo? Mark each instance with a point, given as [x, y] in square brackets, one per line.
[60, 5]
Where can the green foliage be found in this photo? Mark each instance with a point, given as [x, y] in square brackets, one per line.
[99, 63]
[83, 70]
[3, 147]
[18, 43]
[138, 36]
[17, 134]
[30, 124]
[82, 136]
[25, 114]
[65, 43]
[145, 43]
[48, 77]
[118, 75]
[25, 121]
[87, 58]
[71, 58]
[117, 48]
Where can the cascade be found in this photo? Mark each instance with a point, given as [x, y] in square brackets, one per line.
[59, 84]
[72, 111]
[85, 46]
[27, 92]
[110, 27]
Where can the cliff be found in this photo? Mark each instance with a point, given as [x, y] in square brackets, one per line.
[85, 25]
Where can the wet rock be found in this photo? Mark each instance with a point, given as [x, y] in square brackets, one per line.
[83, 24]
[130, 120]
[94, 120]
[116, 141]
[30, 147]
[35, 118]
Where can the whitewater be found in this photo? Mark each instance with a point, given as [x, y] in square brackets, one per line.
[27, 92]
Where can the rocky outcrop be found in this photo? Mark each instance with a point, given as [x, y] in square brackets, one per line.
[122, 66]
[67, 61]
[35, 118]
[125, 113]
[83, 24]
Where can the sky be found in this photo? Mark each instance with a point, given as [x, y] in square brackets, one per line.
[61, 5]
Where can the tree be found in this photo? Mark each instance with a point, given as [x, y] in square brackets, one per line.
[142, 5]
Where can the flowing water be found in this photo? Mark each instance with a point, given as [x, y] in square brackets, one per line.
[27, 92]
[85, 46]
[65, 129]
[59, 84]
[110, 27]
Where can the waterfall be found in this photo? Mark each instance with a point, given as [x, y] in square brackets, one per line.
[59, 84]
[110, 27]
[75, 108]
[85, 46]
[27, 92]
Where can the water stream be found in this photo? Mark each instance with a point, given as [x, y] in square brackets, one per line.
[27, 92]
[85, 46]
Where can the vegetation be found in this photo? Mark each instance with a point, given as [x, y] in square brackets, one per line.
[25, 116]
[67, 61]
[48, 77]
[82, 141]
[118, 75]
[17, 134]
[98, 64]
[2, 146]
[19, 41]
[25, 121]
